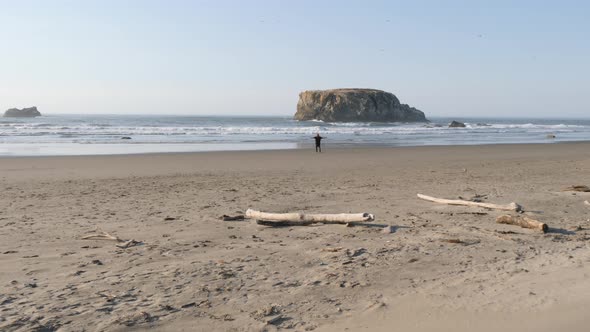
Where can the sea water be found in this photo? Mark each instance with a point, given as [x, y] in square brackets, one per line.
[104, 134]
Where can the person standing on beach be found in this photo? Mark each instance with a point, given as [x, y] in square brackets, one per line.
[318, 142]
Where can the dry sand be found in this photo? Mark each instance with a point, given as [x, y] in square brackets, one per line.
[194, 272]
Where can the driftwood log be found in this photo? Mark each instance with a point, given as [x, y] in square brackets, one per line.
[508, 207]
[301, 219]
[341, 218]
[522, 221]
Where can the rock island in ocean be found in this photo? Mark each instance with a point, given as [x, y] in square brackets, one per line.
[355, 105]
[30, 112]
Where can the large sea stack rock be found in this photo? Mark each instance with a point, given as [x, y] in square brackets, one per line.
[354, 105]
[30, 112]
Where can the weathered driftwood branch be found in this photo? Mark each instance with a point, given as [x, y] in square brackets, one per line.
[522, 221]
[341, 218]
[106, 236]
[586, 202]
[508, 207]
[102, 236]
[577, 188]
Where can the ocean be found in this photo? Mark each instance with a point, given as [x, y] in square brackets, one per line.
[103, 134]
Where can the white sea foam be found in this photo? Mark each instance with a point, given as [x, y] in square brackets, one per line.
[197, 130]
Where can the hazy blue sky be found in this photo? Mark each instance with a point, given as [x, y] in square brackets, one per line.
[478, 58]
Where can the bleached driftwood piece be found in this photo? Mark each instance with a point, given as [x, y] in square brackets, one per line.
[577, 188]
[522, 221]
[508, 207]
[586, 202]
[341, 218]
[102, 236]
[106, 236]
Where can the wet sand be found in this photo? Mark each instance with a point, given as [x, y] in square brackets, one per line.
[443, 267]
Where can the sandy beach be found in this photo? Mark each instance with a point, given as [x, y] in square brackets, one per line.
[442, 268]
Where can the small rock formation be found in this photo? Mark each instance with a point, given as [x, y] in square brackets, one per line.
[30, 112]
[354, 105]
[550, 136]
[456, 124]
[125, 137]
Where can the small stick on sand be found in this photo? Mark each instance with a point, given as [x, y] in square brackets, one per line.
[522, 221]
[102, 236]
[508, 207]
[312, 218]
[577, 188]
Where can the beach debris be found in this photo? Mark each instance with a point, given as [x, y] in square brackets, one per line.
[550, 136]
[508, 207]
[270, 314]
[106, 236]
[577, 188]
[129, 244]
[101, 236]
[356, 252]
[341, 218]
[332, 249]
[225, 217]
[586, 202]
[268, 310]
[522, 221]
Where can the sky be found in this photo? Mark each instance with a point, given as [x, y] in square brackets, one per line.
[446, 58]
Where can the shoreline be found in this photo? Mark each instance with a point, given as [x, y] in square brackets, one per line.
[297, 147]
[443, 266]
